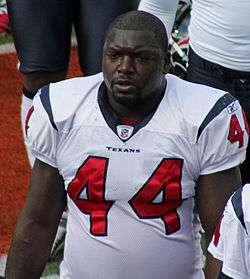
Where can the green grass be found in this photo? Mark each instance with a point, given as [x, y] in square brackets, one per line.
[52, 268]
[6, 39]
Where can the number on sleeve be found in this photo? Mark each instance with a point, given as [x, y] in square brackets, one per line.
[166, 179]
[235, 131]
[91, 177]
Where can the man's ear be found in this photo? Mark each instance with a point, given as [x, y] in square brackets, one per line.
[166, 65]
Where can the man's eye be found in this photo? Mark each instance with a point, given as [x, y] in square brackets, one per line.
[113, 56]
[143, 58]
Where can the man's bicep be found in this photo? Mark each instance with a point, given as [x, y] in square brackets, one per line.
[213, 191]
[46, 193]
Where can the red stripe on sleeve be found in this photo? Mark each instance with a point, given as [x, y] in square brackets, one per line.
[30, 111]
[217, 233]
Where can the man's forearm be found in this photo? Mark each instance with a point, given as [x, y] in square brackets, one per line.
[37, 225]
[212, 267]
[29, 253]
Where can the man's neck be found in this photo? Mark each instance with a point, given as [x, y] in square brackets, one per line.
[140, 111]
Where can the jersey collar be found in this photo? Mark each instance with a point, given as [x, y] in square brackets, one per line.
[111, 117]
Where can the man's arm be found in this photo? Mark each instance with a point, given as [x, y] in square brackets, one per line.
[37, 225]
[165, 10]
[213, 191]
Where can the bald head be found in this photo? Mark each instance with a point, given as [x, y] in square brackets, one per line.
[139, 21]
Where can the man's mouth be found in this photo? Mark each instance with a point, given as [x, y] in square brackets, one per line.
[123, 85]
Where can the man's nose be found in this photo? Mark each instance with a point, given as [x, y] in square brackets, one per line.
[126, 64]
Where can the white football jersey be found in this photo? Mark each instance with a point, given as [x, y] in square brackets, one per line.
[164, 10]
[231, 241]
[131, 189]
[219, 32]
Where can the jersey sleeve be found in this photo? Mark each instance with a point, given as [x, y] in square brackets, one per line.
[230, 244]
[41, 136]
[164, 10]
[222, 136]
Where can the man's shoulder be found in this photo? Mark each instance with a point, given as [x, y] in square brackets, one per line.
[195, 95]
[62, 100]
[197, 102]
[73, 87]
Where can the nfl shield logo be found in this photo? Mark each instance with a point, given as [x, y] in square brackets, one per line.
[232, 108]
[124, 131]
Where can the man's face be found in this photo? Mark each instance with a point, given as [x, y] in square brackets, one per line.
[133, 66]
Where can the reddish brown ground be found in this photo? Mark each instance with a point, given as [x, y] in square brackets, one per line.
[14, 168]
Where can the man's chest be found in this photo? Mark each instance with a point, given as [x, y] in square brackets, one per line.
[138, 187]
[149, 160]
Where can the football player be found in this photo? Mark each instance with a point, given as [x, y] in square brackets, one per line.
[231, 242]
[131, 151]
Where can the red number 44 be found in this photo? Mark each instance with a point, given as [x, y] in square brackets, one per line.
[165, 180]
